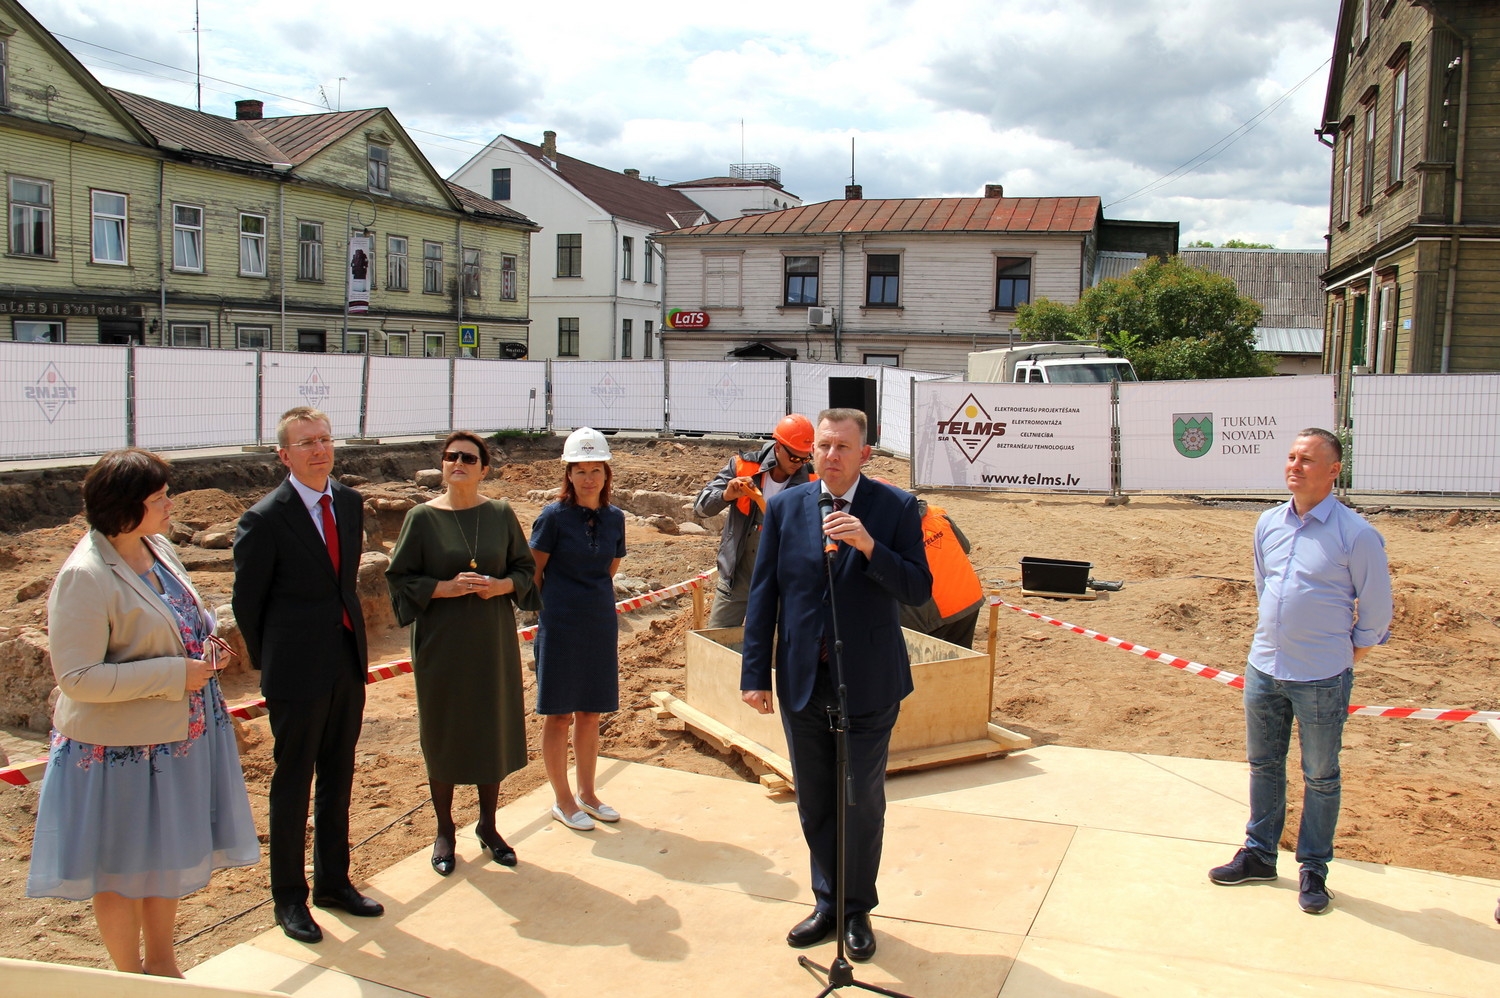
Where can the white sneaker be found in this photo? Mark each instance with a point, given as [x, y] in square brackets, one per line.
[601, 813]
[578, 821]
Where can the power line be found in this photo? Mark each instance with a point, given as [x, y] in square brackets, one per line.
[1213, 151]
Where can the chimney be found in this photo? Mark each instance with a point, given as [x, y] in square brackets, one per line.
[549, 146]
[853, 192]
[249, 110]
[994, 191]
[633, 174]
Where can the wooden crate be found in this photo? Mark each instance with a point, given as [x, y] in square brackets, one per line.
[946, 718]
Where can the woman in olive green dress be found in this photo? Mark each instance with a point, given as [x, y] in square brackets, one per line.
[459, 568]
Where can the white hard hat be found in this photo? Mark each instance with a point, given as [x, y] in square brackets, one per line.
[585, 444]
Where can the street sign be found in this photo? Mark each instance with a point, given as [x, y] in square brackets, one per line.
[468, 336]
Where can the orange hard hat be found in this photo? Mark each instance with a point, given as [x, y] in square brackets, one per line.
[795, 431]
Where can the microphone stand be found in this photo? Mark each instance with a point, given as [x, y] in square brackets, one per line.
[840, 973]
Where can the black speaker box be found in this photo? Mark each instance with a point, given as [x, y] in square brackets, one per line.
[856, 393]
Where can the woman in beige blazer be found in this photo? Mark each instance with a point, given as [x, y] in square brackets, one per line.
[143, 796]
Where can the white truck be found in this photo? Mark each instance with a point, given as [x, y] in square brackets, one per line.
[1044, 363]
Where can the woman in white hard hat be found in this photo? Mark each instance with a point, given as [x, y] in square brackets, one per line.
[578, 542]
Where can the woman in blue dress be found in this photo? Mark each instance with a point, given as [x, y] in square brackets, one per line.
[143, 796]
[578, 542]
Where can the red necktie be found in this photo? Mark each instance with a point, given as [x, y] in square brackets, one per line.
[839, 503]
[331, 538]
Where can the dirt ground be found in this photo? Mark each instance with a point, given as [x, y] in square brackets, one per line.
[1416, 793]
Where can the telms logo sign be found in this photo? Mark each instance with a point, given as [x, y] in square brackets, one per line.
[51, 391]
[970, 428]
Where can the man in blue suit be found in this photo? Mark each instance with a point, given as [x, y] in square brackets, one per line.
[880, 563]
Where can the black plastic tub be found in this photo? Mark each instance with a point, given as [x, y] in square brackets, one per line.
[1055, 575]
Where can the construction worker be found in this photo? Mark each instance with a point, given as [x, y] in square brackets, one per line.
[957, 597]
[744, 486]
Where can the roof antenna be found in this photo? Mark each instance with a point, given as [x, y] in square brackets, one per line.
[851, 159]
[198, 44]
[742, 140]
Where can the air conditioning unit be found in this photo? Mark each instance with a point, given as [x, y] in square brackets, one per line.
[820, 316]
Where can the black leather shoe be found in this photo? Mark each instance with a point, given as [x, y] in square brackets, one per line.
[297, 922]
[503, 853]
[859, 938]
[811, 930]
[350, 900]
[442, 855]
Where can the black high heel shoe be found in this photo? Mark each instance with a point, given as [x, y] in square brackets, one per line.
[442, 864]
[503, 853]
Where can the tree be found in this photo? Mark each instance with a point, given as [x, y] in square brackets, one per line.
[1171, 320]
[1241, 244]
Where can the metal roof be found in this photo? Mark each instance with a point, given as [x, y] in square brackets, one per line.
[996, 215]
[1286, 283]
[1288, 340]
[1115, 263]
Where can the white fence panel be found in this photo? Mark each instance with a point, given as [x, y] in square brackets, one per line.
[1003, 436]
[810, 384]
[1426, 432]
[330, 382]
[895, 407]
[609, 394]
[500, 395]
[193, 398]
[407, 395]
[746, 396]
[58, 399]
[1230, 434]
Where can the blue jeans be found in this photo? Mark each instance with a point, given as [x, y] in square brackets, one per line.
[1320, 708]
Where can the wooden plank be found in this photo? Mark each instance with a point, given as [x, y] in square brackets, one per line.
[1013, 741]
[1494, 727]
[1047, 595]
[712, 730]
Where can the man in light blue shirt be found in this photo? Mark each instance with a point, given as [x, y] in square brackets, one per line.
[1325, 601]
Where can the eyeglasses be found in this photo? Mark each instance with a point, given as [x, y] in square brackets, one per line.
[313, 442]
[460, 456]
[794, 457]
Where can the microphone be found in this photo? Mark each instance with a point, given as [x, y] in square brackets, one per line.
[825, 507]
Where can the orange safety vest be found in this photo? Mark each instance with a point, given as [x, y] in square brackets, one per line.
[750, 469]
[955, 586]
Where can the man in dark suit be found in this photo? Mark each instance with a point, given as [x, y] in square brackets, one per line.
[296, 562]
[880, 563]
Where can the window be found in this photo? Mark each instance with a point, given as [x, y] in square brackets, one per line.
[187, 238]
[1364, 23]
[646, 334]
[1347, 200]
[649, 263]
[30, 217]
[500, 184]
[1367, 181]
[433, 345]
[31, 331]
[627, 335]
[1385, 329]
[395, 263]
[252, 245]
[356, 341]
[379, 168]
[801, 280]
[471, 273]
[109, 226]
[882, 279]
[567, 337]
[883, 359]
[1012, 283]
[432, 268]
[4, 90]
[507, 278]
[309, 251]
[189, 334]
[395, 344]
[721, 281]
[312, 341]
[252, 337]
[1397, 161]
[570, 254]
[627, 258]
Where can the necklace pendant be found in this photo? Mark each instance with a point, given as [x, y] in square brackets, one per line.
[473, 563]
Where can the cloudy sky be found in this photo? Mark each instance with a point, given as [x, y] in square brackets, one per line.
[1143, 103]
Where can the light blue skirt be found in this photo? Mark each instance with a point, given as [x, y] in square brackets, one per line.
[144, 820]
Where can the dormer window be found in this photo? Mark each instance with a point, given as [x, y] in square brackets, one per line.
[379, 162]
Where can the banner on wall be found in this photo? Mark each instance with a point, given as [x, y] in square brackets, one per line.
[57, 399]
[332, 383]
[359, 274]
[1011, 436]
[1215, 435]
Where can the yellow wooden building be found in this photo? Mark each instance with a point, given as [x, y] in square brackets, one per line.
[131, 220]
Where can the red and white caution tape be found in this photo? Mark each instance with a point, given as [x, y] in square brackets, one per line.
[23, 773]
[1238, 682]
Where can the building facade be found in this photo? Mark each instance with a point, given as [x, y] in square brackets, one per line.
[596, 283]
[1411, 113]
[136, 221]
[915, 283]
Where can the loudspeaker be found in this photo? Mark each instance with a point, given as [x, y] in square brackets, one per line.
[856, 393]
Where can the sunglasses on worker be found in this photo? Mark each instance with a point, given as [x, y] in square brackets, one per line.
[793, 456]
[460, 456]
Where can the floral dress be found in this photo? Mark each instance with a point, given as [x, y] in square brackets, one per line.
[146, 820]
